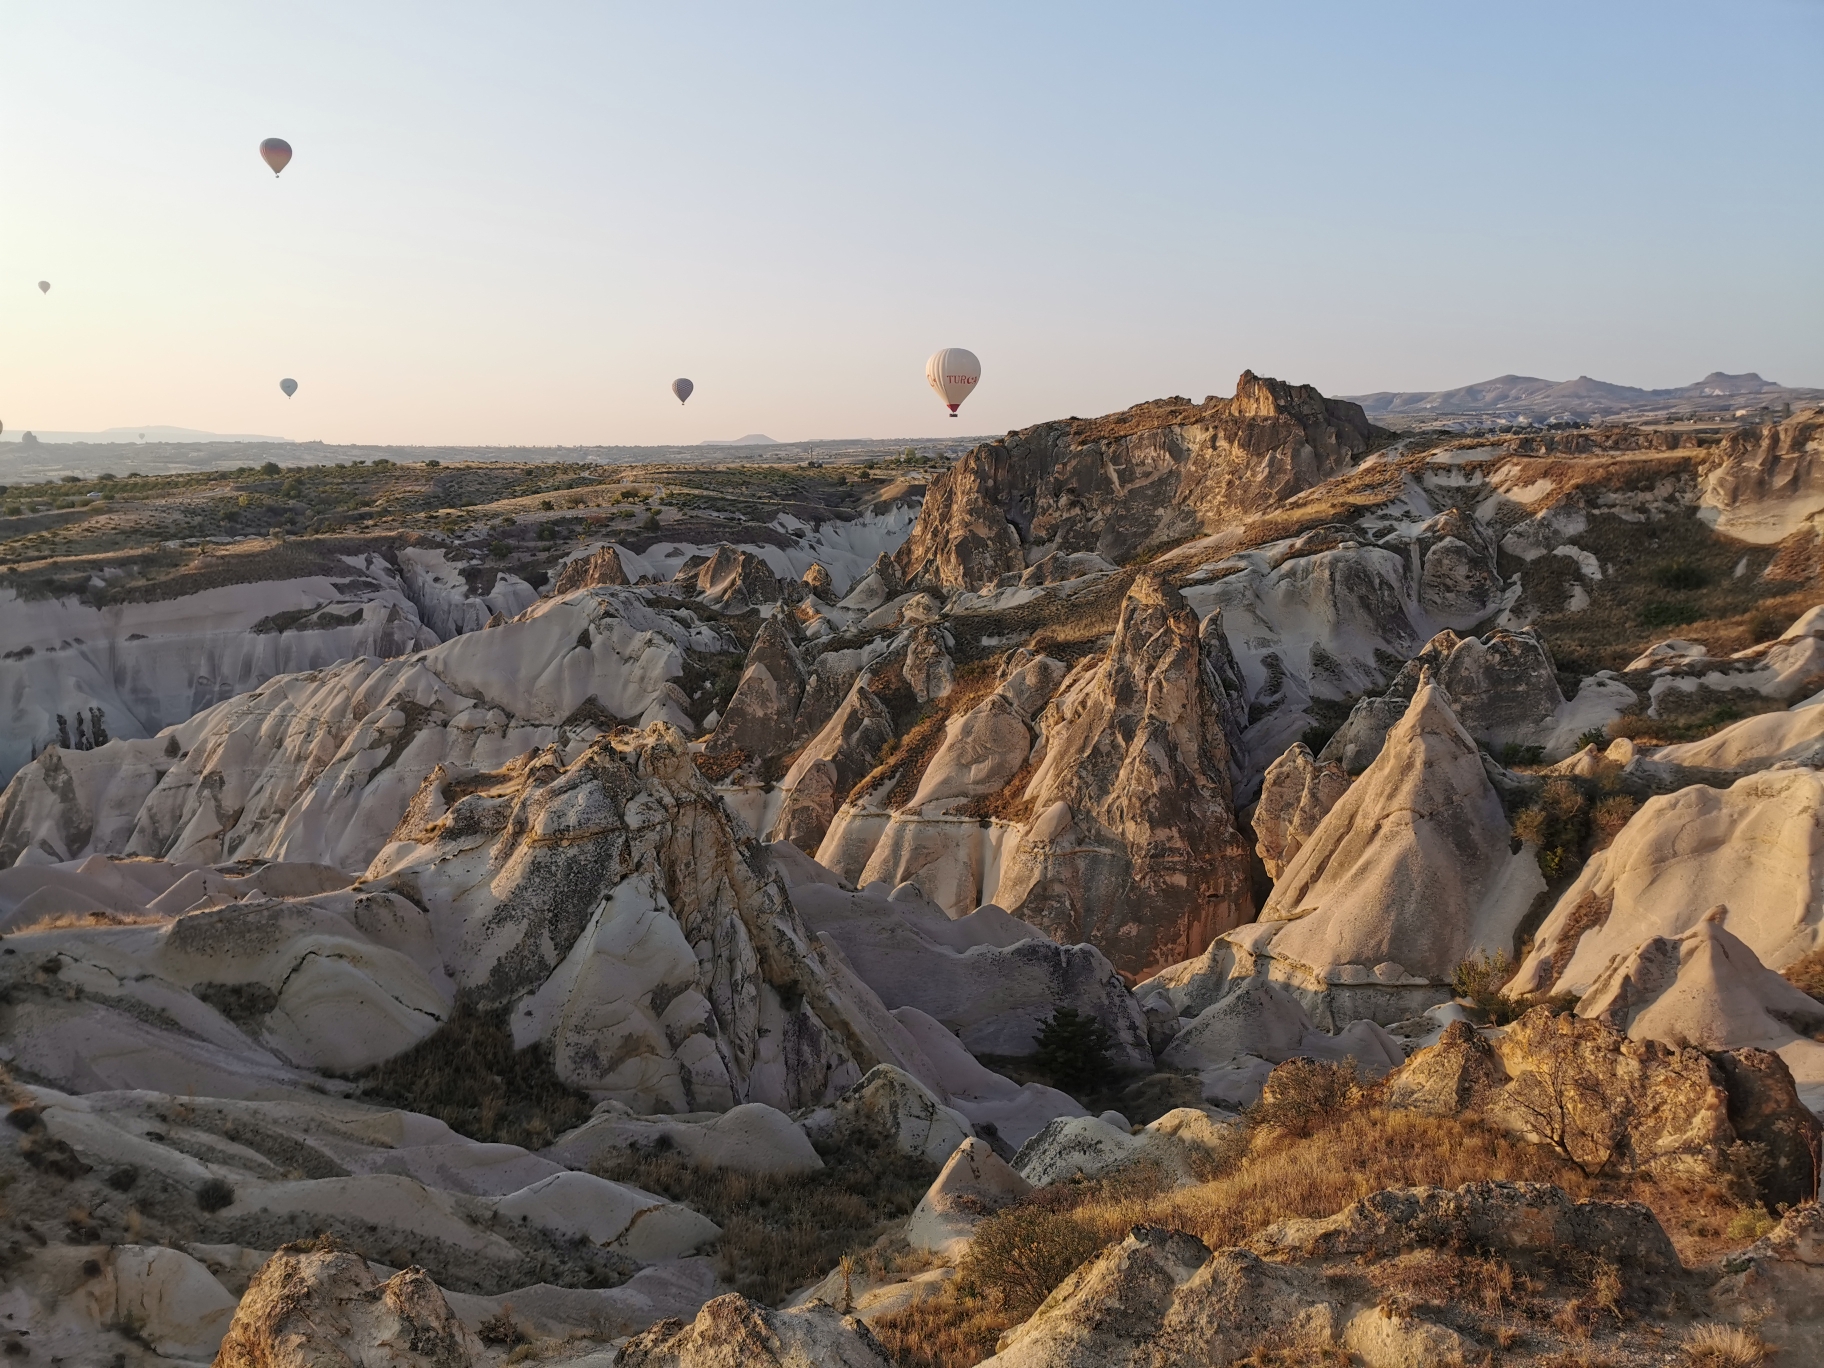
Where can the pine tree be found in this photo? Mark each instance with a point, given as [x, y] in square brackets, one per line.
[1073, 1050]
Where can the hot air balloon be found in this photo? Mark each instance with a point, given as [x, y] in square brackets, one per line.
[289, 385]
[682, 388]
[953, 373]
[276, 153]
[44, 287]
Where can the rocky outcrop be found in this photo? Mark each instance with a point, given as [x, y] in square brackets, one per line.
[1133, 847]
[891, 1109]
[817, 580]
[751, 1138]
[975, 1183]
[928, 669]
[733, 1332]
[602, 566]
[1410, 873]
[1764, 482]
[318, 767]
[834, 760]
[311, 1306]
[1296, 793]
[1776, 1285]
[759, 719]
[613, 901]
[1116, 485]
[1751, 847]
[732, 579]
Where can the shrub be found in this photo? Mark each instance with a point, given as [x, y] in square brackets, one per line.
[1680, 576]
[1073, 1050]
[1607, 819]
[1723, 1346]
[1303, 1096]
[433, 465]
[270, 468]
[1807, 974]
[1595, 736]
[650, 523]
[500, 550]
[1019, 1255]
[1478, 982]
[1662, 614]
[214, 1194]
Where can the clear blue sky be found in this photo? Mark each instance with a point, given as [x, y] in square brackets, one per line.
[517, 223]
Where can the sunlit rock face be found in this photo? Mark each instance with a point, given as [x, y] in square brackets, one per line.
[1116, 485]
[630, 922]
[318, 766]
[1133, 846]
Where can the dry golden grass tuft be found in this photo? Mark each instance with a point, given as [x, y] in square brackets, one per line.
[64, 921]
[1723, 1346]
[1807, 974]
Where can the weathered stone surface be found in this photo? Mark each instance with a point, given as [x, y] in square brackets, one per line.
[929, 671]
[817, 580]
[599, 567]
[732, 579]
[759, 719]
[1134, 847]
[1766, 1109]
[308, 1307]
[1511, 1218]
[614, 902]
[1295, 794]
[1114, 485]
[831, 763]
[1753, 847]
[1776, 1285]
[975, 1182]
[890, 1106]
[751, 1138]
[733, 1332]
[1410, 873]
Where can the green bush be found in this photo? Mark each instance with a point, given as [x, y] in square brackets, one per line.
[1661, 614]
[500, 550]
[1073, 1050]
[1680, 576]
[1019, 1255]
[1302, 1096]
[214, 1194]
[270, 468]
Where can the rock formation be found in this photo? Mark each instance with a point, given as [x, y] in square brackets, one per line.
[1119, 484]
[1295, 794]
[602, 566]
[759, 719]
[733, 1332]
[1133, 846]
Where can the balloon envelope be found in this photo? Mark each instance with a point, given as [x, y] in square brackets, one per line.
[276, 153]
[953, 373]
[44, 287]
[682, 388]
[289, 385]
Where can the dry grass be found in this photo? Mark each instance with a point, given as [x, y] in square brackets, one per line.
[1807, 974]
[909, 755]
[1723, 1346]
[945, 1331]
[467, 1074]
[64, 921]
[781, 1231]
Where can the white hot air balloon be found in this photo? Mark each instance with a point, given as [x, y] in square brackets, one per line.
[953, 373]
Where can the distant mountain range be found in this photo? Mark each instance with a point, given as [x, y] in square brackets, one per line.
[1512, 398]
[752, 439]
[152, 432]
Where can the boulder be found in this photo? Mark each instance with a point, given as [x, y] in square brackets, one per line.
[1134, 847]
[817, 580]
[1776, 1285]
[311, 1306]
[733, 1332]
[1295, 794]
[893, 1108]
[928, 669]
[1006, 1113]
[975, 1182]
[732, 579]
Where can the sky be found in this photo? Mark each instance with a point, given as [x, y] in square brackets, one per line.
[516, 224]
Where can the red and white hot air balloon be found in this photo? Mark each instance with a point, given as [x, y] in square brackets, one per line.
[953, 373]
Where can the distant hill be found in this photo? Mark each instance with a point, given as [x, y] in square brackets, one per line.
[752, 439]
[152, 432]
[1513, 398]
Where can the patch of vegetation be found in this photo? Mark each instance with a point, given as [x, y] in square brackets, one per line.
[1681, 576]
[779, 1231]
[215, 1194]
[467, 1074]
[1572, 818]
[1304, 1096]
[1807, 974]
[1478, 984]
[1659, 614]
[1073, 1048]
[1019, 1255]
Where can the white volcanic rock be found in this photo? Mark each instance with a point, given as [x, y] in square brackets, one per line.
[1133, 847]
[451, 603]
[1008, 1114]
[929, 671]
[890, 1106]
[311, 1307]
[1766, 481]
[615, 904]
[1787, 668]
[759, 718]
[610, 1214]
[733, 1332]
[1233, 1044]
[81, 1302]
[975, 1182]
[149, 665]
[588, 567]
[319, 766]
[988, 977]
[1409, 874]
[831, 763]
[1766, 740]
[1706, 988]
[1754, 846]
[1295, 793]
[751, 1138]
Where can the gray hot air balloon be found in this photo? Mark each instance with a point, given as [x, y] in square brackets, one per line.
[44, 287]
[289, 385]
[682, 389]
